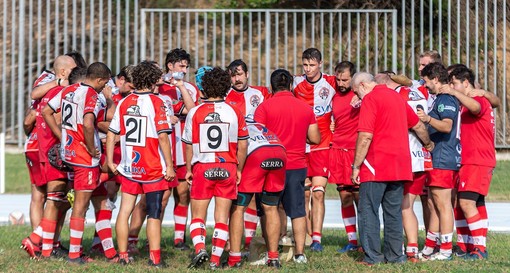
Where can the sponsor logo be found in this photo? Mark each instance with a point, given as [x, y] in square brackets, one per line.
[272, 164]
[212, 117]
[440, 108]
[134, 170]
[324, 93]
[254, 101]
[136, 157]
[320, 110]
[133, 110]
[69, 140]
[216, 174]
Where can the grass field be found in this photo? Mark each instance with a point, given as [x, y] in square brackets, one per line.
[17, 180]
[14, 259]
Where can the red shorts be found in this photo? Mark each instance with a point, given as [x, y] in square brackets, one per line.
[214, 179]
[132, 187]
[34, 169]
[340, 166]
[173, 183]
[264, 170]
[475, 178]
[100, 190]
[440, 178]
[51, 173]
[86, 179]
[117, 156]
[180, 172]
[317, 162]
[416, 186]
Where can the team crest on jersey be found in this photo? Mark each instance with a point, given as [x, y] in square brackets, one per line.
[133, 110]
[212, 117]
[69, 96]
[414, 96]
[324, 93]
[254, 101]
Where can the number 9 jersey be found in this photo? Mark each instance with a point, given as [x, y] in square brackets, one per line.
[139, 119]
[213, 128]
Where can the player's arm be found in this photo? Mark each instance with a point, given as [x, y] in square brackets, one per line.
[47, 113]
[362, 144]
[39, 91]
[189, 156]
[110, 146]
[471, 104]
[491, 97]
[88, 133]
[242, 151]
[421, 132]
[313, 136]
[186, 97]
[29, 121]
[164, 143]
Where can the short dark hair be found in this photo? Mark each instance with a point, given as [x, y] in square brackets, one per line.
[435, 70]
[145, 75]
[98, 70]
[128, 70]
[78, 58]
[176, 55]
[216, 83]
[312, 54]
[77, 74]
[345, 65]
[453, 66]
[281, 79]
[233, 66]
[463, 73]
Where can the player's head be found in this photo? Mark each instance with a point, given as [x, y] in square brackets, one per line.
[238, 71]
[462, 79]
[78, 58]
[281, 80]
[78, 74]
[343, 73]
[126, 74]
[146, 75]
[312, 63]
[427, 57]
[435, 75]
[199, 74]
[98, 74]
[383, 77]
[454, 66]
[177, 60]
[216, 83]
[63, 65]
[363, 83]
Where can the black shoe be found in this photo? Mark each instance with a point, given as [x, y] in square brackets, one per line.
[274, 263]
[181, 246]
[59, 252]
[80, 260]
[226, 265]
[457, 251]
[199, 259]
[161, 264]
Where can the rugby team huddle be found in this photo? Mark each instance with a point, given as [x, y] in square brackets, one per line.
[262, 153]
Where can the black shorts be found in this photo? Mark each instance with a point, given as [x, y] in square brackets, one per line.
[293, 196]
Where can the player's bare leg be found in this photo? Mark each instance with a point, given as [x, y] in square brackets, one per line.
[166, 196]
[55, 201]
[137, 218]
[426, 210]
[236, 227]
[37, 199]
[443, 205]
[317, 190]
[122, 228]
[299, 231]
[308, 206]
[433, 229]
[410, 222]
[283, 220]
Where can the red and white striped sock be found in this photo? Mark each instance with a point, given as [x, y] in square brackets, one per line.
[316, 237]
[198, 233]
[104, 231]
[77, 225]
[462, 229]
[482, 210]
[37, 233]
[476, 226]
[430, 242]
[234, 258]
[219, 239]
[49, 228]
[412, 249]
[446, 244]
[349, 218]
[155, 256]
[180, 219]
[250, 226]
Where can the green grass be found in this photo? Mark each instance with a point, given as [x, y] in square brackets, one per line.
[14, 259]
[17, 179]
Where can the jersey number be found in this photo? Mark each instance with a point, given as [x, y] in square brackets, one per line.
[136, 130]
[69, 116]
[216, 137]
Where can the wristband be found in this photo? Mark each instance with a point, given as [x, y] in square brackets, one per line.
[354, 167]
[59, 80]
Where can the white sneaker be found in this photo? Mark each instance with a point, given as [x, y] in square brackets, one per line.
[440, 257]
[262, 261]
[301, 259]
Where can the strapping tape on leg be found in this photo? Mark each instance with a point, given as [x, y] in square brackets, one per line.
[317, 188]
[57, 196]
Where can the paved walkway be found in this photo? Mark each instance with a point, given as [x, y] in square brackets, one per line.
[499, 216]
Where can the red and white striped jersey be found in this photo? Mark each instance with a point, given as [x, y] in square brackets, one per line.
[45, 77]
[177, 106]
[76, 101]
[139, 119]
[248, 100]
[213, 128]
[32, 142]
[319, 96]
[46, 137]
[260, 136]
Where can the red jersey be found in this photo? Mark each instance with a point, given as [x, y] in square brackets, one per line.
[477, 135]
[346, 120]
[248, 100]
[386, 115]
[32, 143]
[318, 96]
[46, 137]
[289, 118]
[139, 119]
[45, 77]
[260, 136]
[214, 128]
[76, 101]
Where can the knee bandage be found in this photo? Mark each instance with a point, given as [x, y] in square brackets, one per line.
[318, 188]
[243, 199]
[154, 205]
[270, 198]
[57, 196]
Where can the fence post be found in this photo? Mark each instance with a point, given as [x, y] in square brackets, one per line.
[268, 47]
[2, 162]
[21, 70]
[394, 41]
[143, 35]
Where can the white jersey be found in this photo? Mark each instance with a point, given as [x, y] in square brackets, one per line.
[260, 136]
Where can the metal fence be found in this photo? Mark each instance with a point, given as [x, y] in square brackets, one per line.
[123, 32]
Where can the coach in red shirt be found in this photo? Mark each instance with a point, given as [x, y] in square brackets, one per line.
[382, 163]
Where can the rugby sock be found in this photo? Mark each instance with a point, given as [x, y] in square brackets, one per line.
[124, 256]
[47, 237]
[316, 237]
[198, 234]
[233, 258]
[180, 219]
[482, 210]
[77, 225]
[104, 231]
[272, 255]
[36, 235]
[412, 249]
[349, 218]
[133, 239]
[446, 244]
[155, 256]
[476, 227]
[462, 229]
[219, 239]
[430, 242]
[250, 226]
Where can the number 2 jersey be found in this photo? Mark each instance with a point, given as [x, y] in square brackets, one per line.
[139, 119]
[213, 129]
